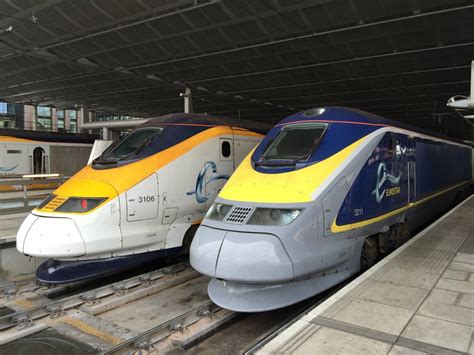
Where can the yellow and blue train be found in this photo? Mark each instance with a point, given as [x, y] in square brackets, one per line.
[323, 195]
[142, 199]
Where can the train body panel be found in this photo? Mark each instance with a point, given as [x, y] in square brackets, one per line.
[126, 209]
[299, 220]
[28, 156]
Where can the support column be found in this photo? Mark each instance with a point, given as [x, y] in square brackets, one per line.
[54, 120]
[67, 121]
[105, 133]
[82, 116]
[188, 100]
[29, 117]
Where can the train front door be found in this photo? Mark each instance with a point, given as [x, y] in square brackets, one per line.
[411, 146]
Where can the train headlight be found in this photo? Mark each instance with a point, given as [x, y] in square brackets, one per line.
[218, 211]
[274, 216]
[80, 205]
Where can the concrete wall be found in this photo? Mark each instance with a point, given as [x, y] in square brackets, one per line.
[68, 160]
[30, 117]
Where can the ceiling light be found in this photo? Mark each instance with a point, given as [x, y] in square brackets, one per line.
[6, 30]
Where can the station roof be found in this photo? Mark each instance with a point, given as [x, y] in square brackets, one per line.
[259, 60]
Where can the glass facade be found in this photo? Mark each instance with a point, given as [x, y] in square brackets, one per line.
[72, 116]
[39, 118]
[44, 118]
[100, 116]
[60, 116]
[7, 115]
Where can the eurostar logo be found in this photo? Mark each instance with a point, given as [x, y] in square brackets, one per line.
[10, 168]
[201, 181]
[382, 178]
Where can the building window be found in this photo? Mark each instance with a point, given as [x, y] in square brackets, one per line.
[60, 115]
[112, 117]
[72, 115]
[7, 115]
[43, 118]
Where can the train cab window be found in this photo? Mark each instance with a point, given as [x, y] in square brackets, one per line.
[225, 149]
[295, 142]
[131, 144]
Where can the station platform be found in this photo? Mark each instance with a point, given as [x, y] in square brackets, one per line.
[9, 225]
[419, 299]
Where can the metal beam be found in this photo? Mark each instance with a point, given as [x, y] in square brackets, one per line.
[338, 93]
[113, 27]
[154, 40]
[272, 42]
[210, 27]
[333, 94]
[9, 19]
[340, 61]
[344, 80]
[265, 89]
[300, 37]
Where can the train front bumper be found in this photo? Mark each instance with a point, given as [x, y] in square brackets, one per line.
[50, 237]
[240, 257]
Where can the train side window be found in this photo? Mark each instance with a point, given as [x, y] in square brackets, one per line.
[390, 147]
[226, 149]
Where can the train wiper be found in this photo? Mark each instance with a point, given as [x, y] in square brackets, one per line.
[268, 163]
[103, 161]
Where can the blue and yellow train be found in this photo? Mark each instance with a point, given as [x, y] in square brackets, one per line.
[323, 195]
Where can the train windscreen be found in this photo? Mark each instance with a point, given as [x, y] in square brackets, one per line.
[295, 142]
[132, 144]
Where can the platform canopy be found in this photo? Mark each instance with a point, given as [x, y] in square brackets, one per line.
[255, 59]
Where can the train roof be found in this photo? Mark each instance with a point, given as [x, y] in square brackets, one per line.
[200, 119]
[56, 137]
[351, 115]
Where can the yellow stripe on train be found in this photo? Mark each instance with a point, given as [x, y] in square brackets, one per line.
[94, 183]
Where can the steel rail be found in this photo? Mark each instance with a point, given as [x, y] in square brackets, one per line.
[23, 319]
[142, 341]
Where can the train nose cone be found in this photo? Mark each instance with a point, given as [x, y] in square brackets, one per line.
[240, 257]
[50, 237]
[205, 248]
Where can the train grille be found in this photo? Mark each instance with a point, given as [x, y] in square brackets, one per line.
[54, 203]
[239, 215]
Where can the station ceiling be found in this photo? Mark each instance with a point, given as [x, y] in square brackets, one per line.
[254, 59]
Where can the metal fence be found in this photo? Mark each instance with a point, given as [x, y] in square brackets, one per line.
[22, 186]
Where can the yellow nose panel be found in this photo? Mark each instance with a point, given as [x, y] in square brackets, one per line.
[249, 185]
[85, 187]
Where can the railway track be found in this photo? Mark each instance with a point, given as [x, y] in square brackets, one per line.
[196, 327]
[140, 285]
[181, 332]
